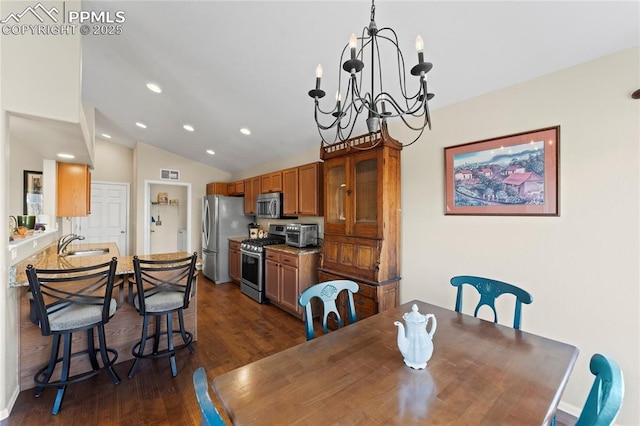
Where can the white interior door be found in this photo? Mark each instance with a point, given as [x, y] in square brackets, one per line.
[108, 221]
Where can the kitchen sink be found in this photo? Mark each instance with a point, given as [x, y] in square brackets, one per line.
[87, 252]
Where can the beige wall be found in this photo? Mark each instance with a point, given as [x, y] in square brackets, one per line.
[23, 157]
[114, 163]
[148, 160]
[298, 159]
[581, 267]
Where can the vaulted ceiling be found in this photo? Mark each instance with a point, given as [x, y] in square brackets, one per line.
[224, 65]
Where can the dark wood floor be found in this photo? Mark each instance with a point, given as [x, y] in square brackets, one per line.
[233, 330]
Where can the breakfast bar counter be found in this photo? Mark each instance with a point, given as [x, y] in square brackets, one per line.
[124, 328]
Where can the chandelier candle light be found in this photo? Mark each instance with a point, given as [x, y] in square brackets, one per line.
[356, 100]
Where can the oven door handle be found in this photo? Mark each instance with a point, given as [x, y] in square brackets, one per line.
[250, 254]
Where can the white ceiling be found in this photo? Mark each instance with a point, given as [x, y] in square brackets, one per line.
[224, 65]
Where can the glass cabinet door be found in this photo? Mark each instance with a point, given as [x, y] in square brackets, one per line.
[335, 196]
[366, 194]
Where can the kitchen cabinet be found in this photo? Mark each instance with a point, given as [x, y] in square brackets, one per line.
[362, 219]
[234, 261]
[310, 189]
[287, 275]
[235, 188]
[251, 191]
[73, 190]
[217, 188]
[303, 190]
[271, 182]
[290, 192]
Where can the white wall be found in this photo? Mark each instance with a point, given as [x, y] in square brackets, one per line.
[582, 267]
[148, 160]
[164, 237]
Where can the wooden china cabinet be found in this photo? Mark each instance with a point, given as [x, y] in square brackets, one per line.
[362, 220]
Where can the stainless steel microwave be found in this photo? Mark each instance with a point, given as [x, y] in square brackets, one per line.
[269, 206]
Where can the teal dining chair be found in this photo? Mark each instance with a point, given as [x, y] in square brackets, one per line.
[605, 398]
[327, 292]
[490, 290]
[210, 415]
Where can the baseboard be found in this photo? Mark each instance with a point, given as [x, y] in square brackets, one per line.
[570, 409]
[4, 413]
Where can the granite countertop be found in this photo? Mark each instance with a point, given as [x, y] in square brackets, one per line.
[48, 259]
[294, 250]
[238, 239]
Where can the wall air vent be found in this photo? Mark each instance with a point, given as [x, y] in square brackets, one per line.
[167, 174]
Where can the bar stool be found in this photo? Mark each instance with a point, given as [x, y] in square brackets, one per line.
[65, 301]
[162, 288]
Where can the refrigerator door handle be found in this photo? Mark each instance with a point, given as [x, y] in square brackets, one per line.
[205, 222]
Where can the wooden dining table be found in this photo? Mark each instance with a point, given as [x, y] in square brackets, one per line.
[480, 373]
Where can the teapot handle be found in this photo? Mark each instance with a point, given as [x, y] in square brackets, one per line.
[434, 324]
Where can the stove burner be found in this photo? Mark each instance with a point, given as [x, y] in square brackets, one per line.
[256, 245]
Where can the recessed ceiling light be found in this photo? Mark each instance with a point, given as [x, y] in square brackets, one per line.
[210, 152]
[245, 131]
[154, 88]
[188, 127]
[63, 155]
[141, 125]
[106, 136]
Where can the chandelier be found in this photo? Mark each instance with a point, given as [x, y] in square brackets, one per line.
[380, 105]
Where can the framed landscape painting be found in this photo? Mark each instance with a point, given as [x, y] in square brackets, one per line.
[508, 175]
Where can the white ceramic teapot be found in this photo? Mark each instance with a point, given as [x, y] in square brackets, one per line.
[415, 343]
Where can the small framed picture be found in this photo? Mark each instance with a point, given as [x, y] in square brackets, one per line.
[33, 201]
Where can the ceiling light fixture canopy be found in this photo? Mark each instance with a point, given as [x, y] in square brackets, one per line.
[378, 104]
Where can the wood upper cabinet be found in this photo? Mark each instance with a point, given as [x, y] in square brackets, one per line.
[286, 276]
[235, 188]
[74, 190]
[303, 190]
[251, 191]
[310, 189]
[234, 261]
[271, 182]
[217, 188]
[290, 192]
[362, 219]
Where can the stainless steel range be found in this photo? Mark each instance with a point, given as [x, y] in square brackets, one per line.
[252, 265]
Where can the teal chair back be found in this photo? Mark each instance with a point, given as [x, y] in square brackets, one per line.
[605, 398]
[210, 415]
[490, 290]
[327, 292]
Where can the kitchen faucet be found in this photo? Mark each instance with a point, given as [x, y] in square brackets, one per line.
[65, 240]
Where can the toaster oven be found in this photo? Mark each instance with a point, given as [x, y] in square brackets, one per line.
[302, 234]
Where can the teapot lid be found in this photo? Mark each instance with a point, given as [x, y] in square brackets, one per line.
[414, 315]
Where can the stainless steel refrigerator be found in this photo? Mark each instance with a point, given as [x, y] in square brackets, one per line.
[222, 217]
